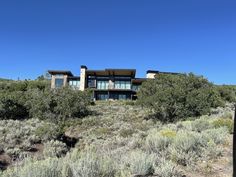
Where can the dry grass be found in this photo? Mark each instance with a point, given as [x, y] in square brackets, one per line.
[118, 141]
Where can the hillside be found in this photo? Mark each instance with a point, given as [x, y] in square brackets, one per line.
[118, 139]
[127, 126]
[3, 79]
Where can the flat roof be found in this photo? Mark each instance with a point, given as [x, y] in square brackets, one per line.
[114, 72]
[73, 77]
[66, 72]
[169, 73]
[160, 72]
[152, 71]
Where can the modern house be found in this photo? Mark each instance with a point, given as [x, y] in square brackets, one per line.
[106, 84]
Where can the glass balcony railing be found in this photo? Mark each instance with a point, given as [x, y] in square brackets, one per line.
[123, 85]
[103, 85]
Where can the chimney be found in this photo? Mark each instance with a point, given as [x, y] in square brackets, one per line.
[83, 69]
[151, 74]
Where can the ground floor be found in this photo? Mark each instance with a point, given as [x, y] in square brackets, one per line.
[114, 95]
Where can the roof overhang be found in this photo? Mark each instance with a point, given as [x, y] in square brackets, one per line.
[153, 71]
[74, 77]
[161, 72]
[138, 80]
[112, 72]
[53, 72]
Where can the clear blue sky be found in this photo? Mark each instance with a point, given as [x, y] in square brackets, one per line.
[168, 35]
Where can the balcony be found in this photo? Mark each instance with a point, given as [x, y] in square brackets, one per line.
[123, 85]
[109, 85]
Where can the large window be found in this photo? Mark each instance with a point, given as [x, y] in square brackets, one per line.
[91, 83]
[102, 85]
[74, 83]
[120, 96]
[59, 82]
[102, 96]
[122, 85]
[135, 87]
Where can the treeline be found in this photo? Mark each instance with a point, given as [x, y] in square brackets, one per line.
[174, 97]
[35, 99]
[169, 97]
[227, 92]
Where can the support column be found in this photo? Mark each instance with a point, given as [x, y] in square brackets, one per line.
[83, 77]
[65, 77]
[53, 82]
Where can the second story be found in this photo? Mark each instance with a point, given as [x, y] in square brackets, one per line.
[103, 80]
[110, 79]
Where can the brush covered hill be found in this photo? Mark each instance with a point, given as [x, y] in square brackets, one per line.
[119, 138]
[180, 126]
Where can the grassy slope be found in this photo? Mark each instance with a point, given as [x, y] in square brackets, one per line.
[118, 122]
[121, 129]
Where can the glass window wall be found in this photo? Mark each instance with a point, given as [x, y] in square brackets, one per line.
[122, 85]
[102, 85]
[74, 83]
[59, 82]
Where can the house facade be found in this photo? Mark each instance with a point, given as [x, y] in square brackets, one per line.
[117, 84]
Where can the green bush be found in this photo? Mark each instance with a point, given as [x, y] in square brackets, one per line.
[187, 141]
[186, 148]
[31, 168]
[221, 122]
[40, 103]
[218, 135]
[71, 103]
[47, 131]
[13, 98]
[14, 86]
[57, 105]
[168, 133]
[212, 151]
[200, 124]
[39, 84]
[227, 92]
[17, 86]
[103, 131]
[23, 99]
[128, 102]
[167, 168]
[140, 163]
[183, 158]
[126, 132]
[158, 141]
[18, 137]
[12, 106]
[54, 148]
[90, 164]
[173, 97]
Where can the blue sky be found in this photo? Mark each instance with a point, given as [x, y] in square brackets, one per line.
[168, 35]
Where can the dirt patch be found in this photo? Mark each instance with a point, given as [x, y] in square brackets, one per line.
[5, 161]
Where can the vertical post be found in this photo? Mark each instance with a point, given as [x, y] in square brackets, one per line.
[234, 144]
[83, 77]
[94, 95]
[53, 81]
[65, 80]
